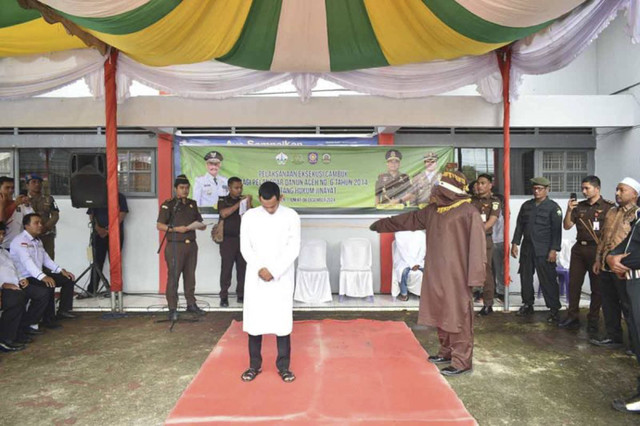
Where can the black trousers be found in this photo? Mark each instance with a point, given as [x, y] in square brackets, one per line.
[284, 352]
[100, 250]
[230, 254]
[615, 301]
[633, 291]
[13, 304]
[547, 275]
[66, 295]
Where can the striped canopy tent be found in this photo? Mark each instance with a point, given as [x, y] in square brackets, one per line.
[221, 48]
[279, 35]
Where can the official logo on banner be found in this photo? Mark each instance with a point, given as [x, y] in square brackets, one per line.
[313, 157]
[298, 159]
[326, 158]
[282, 158]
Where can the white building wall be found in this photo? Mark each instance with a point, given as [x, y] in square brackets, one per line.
[618, 64]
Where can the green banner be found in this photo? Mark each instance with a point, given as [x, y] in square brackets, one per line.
[318, 177]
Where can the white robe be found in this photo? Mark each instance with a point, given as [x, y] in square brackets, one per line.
[269, 241]
[410, 249]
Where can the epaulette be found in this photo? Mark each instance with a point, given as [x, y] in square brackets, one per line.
[609, 201]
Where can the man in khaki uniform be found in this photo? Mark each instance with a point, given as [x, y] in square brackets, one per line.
[48, 210]
[424, 182]
[489, 207]
[393, 187]
[179, 217]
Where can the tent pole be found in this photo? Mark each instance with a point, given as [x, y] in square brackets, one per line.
[111, 125]
[504, 60]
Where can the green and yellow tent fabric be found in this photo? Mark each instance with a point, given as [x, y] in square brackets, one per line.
[282, 35]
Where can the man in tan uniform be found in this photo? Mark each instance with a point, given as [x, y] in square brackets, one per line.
[393, 187]
[179, 217]
[48, 210]
[489, 207]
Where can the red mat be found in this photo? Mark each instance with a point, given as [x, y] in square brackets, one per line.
[348, 372]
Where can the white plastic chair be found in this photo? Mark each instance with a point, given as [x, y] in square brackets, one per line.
[356, 278]
[312, 275]
[408, 249]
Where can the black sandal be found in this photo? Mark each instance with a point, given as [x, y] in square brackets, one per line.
[250, 374]
[287, 376]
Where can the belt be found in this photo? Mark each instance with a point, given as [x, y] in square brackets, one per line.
[182, 241]
[633, 275]
[587, 243]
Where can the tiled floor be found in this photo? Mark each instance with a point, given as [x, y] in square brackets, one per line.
[211, 302]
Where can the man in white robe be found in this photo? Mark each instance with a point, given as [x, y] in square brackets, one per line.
[270, 243]
[408, 260]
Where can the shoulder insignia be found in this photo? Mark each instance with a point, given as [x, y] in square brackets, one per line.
[609, 202]
[495, 205]
[164, 206]
[559, 212]
[190, 205]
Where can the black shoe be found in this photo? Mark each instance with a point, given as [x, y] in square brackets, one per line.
[24, 339]
[287, 376]
[452, 371]
[606, 343]
[7, 346]
[173, 315]
[240, 300]
[477, 296]
[525, 310]
[32, 331]
[486, 310]
[51, 325]
[194, 309]
[629, 405]
[570, 323]
[250, 374]
[83, 295]
[65, 315]
[499, 296]
[553, 317]
[435, 359]
[224, 303]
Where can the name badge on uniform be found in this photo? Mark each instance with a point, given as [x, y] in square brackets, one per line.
[596, 226]
[484, 217]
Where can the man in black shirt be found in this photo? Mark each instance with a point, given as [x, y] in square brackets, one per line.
[539, 229]
[100, 219]
[230, 208]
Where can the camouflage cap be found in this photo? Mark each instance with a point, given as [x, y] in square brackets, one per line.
[542, 181]
[393, 154]
[32, 176]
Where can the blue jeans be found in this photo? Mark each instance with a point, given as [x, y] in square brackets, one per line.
[403, 281]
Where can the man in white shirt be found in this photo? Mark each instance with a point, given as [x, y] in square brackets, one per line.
[15, 322]
[270, 243]
[12, 211]
[209, 187]
[29, 257]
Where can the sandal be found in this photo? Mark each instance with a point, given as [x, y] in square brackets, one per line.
[287, 376]
[250, 374]
[403, 297]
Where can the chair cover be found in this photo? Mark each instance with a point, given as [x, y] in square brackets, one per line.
[356, 279]
[408, 250]
[312, 276]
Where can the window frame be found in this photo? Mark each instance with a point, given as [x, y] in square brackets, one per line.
[152, 171]
[539, 170]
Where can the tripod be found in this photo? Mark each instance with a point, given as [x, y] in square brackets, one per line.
[173, 319]
[103, 283]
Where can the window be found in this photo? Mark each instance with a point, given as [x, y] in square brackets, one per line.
[136, 171]
[565, 169]
[6, 163]
[475, 161]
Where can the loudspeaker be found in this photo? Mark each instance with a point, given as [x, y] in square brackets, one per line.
[88, 182]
